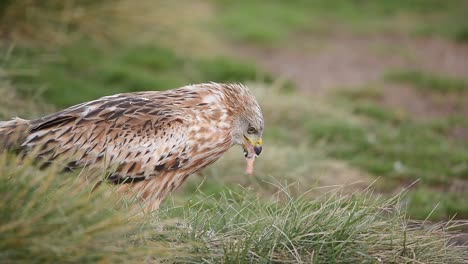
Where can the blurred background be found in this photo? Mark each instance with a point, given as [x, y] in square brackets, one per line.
[354, 92]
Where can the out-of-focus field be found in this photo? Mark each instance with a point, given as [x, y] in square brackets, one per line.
[357, 96]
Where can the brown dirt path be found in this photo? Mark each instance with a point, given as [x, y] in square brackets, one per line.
[319, 64]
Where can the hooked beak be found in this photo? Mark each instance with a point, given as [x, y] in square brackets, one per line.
[258, 150]
[252, 147]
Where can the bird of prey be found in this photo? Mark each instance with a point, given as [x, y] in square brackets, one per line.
[149, 141]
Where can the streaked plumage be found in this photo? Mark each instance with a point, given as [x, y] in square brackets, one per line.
[151, 141]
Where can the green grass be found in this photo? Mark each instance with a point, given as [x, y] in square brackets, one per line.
[239, 228]
[395, 146]
[257, 22]
[48, 217]
[400, 151]
[388, 143]
[13, 104]
[428, 81]
[423, 200]
[84, 71]
[253, 21]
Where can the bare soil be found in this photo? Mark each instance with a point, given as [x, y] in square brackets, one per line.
[319, 64]
[425, 105]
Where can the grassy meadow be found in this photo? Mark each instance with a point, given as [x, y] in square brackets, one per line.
[362, 163]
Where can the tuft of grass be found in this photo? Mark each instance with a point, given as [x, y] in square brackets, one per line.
[48, 218]
[238, 227]
[428, 81]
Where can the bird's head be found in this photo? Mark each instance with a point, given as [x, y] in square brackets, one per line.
[252, 130]
[248, 124]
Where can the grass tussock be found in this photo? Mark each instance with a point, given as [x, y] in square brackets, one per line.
[237, 227]
[47, 217]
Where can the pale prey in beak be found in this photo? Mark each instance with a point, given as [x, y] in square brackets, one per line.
[252, 149]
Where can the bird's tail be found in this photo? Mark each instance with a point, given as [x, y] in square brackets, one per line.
[13, 133]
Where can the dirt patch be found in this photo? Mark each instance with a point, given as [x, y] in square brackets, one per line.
[339, 174]
[319, 64]
[424, 105]
[459, 133]
[458, 186]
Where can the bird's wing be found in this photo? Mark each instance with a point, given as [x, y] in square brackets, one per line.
[137, 136]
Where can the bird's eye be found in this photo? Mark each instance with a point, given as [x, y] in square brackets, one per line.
[252, 130]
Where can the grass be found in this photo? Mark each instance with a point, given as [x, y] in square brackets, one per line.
[368, 135]
[84, 71]
[255, 22]
[13, 104]
[239, 228]
[428, 81]
[402, 151]
[250, 21]
[47, 217]
[389, 135]
[397, 147]
[423, 200]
